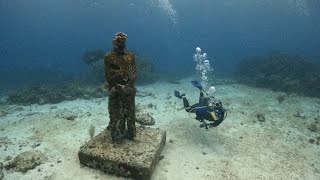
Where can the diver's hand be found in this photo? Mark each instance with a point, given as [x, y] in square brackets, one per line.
[199, 119]
[204, 124]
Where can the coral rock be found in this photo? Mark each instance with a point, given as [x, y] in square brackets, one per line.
[26, 161]
[145, 119]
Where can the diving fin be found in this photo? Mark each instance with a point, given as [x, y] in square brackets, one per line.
[177, 94]
[197, 84]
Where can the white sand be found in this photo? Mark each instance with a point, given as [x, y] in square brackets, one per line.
[240, 148]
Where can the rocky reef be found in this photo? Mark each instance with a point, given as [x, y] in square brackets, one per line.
[145, 119]
[26, 161]
[281, 72]
[55, 93]
[92, 56]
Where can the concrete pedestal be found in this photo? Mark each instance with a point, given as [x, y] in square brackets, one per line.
[134, 159]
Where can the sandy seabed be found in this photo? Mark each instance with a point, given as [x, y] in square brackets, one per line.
[242, 147]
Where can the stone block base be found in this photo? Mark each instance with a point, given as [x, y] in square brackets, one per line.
[134, 159]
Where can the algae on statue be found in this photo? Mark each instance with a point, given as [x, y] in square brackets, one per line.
[120, 74]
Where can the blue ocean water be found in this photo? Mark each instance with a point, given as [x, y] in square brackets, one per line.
[51, 35]
[42, 42]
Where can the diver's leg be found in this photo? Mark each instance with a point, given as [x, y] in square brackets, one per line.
[201, 97]
[186, 104]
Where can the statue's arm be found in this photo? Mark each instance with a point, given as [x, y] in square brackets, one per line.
[133, 63]
[107, 70]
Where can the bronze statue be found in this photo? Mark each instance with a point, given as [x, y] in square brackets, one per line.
[120, 73]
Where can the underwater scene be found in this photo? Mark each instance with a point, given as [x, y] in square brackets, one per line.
[159, 89]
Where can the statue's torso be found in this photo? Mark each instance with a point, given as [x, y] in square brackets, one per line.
[117, 67]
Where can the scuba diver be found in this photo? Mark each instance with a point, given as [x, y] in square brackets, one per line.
[208, 108]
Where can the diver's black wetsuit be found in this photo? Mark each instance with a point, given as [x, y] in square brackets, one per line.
[205, 112]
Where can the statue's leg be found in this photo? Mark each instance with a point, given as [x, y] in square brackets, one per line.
[122, 120]
[115, 115]
[131, 116]
[111, 103]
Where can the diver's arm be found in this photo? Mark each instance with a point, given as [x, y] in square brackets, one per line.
[219, 121]
[216, 123]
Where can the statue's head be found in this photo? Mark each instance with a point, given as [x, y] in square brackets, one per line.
[119, 41]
